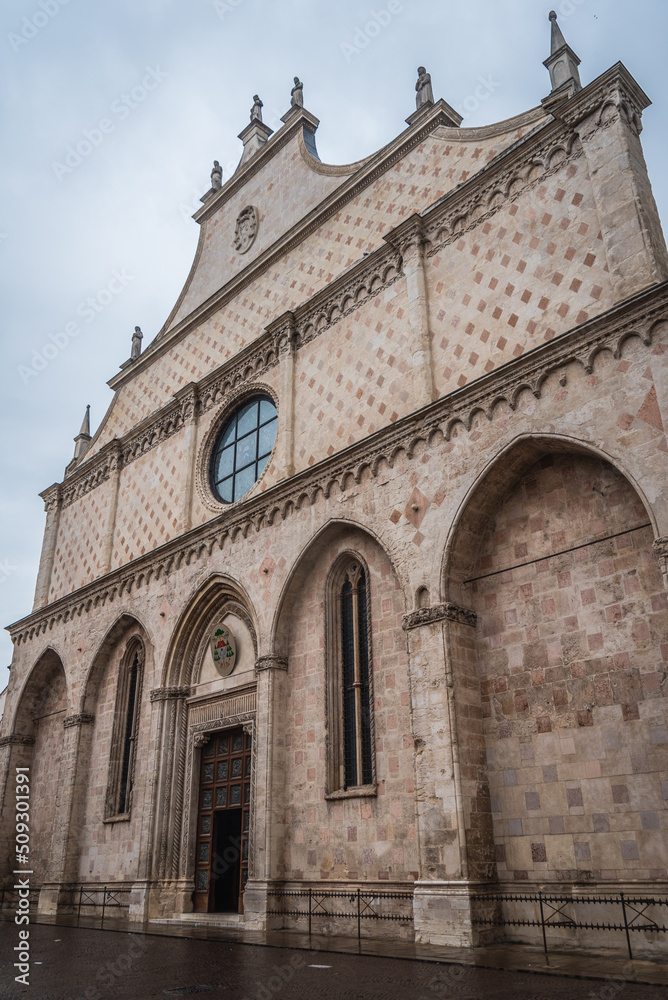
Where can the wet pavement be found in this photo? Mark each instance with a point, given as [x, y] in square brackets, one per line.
[79, 963]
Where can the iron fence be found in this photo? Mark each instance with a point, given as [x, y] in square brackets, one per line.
[9, 895]
[634, 913]
[358, 905]
[90, 896]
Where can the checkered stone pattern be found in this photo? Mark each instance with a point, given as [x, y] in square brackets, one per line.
[110, 851]
[354, 838]
[571, 650]
[149, 501]
[420, 178]
[353, 379]
[533, 270]
[81, 533]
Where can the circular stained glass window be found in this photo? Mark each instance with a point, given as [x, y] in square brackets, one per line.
[243, 449]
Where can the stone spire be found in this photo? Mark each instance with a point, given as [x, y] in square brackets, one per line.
[562, 64]
[83, 438]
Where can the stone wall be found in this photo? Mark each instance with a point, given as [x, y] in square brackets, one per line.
[570, 659]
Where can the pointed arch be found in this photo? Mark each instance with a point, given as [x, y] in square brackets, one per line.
[218, 595]
[493, 481]
[303, 564]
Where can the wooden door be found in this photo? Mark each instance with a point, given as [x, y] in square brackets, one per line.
[223, 823]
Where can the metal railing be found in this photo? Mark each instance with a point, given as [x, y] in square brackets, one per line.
[10, 896]
[550, 910]
[355, 905]
[110, 898]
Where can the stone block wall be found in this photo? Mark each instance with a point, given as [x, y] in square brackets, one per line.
[360, 838]
[571, 661]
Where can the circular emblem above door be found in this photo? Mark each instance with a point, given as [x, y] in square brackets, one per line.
[223, 650]
[246, 229]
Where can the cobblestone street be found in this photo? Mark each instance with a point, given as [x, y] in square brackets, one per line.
[81, 964]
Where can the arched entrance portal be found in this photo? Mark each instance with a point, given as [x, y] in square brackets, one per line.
[554, 554]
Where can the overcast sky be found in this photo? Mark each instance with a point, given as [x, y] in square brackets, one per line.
[174, 80]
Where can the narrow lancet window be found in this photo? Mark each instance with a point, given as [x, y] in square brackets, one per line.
[124, 740]
[357, 756]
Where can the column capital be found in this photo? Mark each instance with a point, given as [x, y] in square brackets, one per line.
[283, 332]
[438, 613]
[271, 662]
[170, 693]
[82, 719]
[17, 740]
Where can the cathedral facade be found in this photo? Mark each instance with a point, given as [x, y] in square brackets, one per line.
[365, 570]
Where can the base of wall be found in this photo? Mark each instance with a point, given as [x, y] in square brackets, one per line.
[444, 914]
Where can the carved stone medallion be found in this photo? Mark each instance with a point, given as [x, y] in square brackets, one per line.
[246, 229]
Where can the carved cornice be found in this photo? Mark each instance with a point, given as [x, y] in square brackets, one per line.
[52, 497]
[616, 89]
[439, 613]
[271, 663]
[637, 317]
[17, 740]
[78, 720]
[170, 693]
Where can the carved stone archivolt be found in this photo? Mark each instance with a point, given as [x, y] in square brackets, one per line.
[439, 613]
[246, 229]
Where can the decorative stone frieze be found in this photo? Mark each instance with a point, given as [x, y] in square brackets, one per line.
[271, 663]
[17, 740]
[170, 693]
[78, 720]
[438, 613]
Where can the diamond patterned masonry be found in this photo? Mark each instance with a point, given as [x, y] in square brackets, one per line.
[465, 337]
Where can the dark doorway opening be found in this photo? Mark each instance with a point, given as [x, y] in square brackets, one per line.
[226, 861]
[223, 823]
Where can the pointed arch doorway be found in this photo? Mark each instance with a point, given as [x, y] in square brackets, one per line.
[223, 822]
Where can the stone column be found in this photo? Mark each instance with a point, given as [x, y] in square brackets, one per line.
[189, 402]
[269, 803]
[52, 505]
[408, 238]
[284, 336]
[165, 874]
[115, 466]
[70, 793]
[16, 750]
[607, 120]
[447, 781]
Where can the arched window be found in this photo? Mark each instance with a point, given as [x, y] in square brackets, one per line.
[124, 738]
[350, 722]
